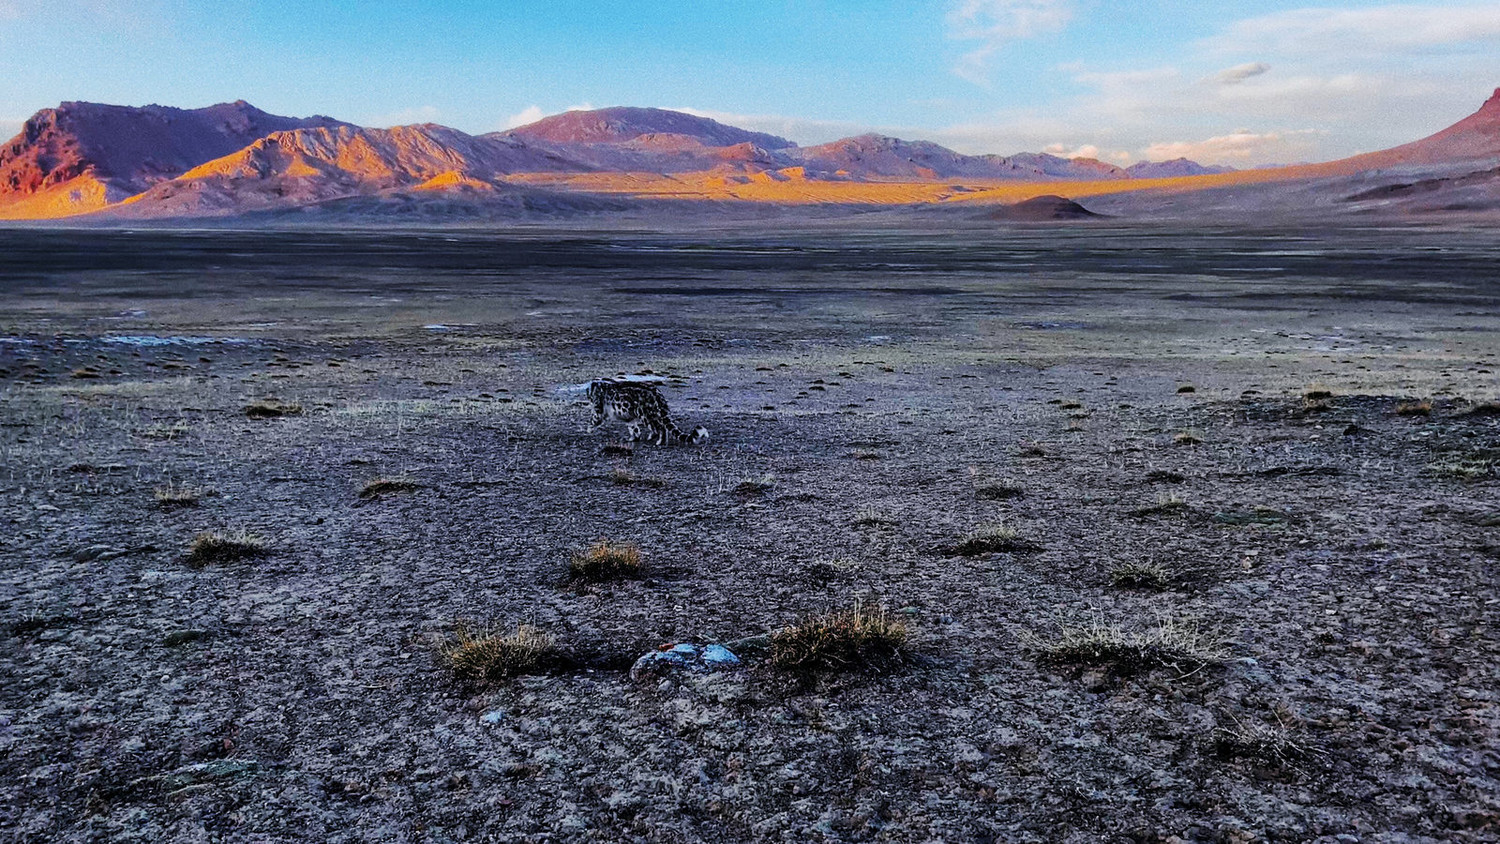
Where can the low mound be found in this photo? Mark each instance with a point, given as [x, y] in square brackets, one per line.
[1041, 209]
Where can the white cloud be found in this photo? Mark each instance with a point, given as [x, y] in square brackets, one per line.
[529, 114]
[1239, 73]
[583, 107]
[1239, 147]
[995, 23]
[407, 116]
[805, 131]
[1062, 151]
[1376, 30]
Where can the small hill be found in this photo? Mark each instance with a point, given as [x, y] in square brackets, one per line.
[1173, 169]
[1041, 209]
[622, 124]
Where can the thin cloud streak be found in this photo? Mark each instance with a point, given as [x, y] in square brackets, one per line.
[996, 23]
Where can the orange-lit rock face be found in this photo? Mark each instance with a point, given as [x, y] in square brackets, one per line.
[229, 159]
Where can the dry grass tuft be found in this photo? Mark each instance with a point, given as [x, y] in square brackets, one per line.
[837, 641]
[1317, 392]
[1140, 574]
[172, 497]
[272, 409]
[86, 372]
[1475, 466]
[1484, 408]
[381, 487]
[486, 656]
[214, 547]
[994, 539]
[1166, 505]
[604, 561]
[1414, 408]
[1172, 643]
[998, 492]
[1272, 743]
[1188, 438]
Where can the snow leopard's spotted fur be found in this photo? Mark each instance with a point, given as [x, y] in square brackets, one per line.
[640, 406]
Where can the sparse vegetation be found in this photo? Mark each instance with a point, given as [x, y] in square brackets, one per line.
[1033, 449]
[1187, 388]
[272, 409]
[1317, 393]
[848, 639]
[1275, 744]
[172, 497]
[1484, 408]
[870, 517]
[1414, 408]
[1473, 466]
[998, 492]
[486, 656]
[604, 561]
[213, 547]
[382, 487]
[1172, 643]
[1166, 505]
[1188, 437]
[752, 487]
[994, 539]
[1140, 574]
[86, 372]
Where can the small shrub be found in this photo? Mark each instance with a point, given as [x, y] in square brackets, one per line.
[1164, 476]
[870, 517]
[1317, 392]
[1188, 437]
[994, 539]
[615, 450]
[1140, 575]
[171, 497]
[1034, 450]
[1187, 388]
[604, 561]
[1484, 408]
[1071, 405]
[751, 488]
[1271, 743]
[998, 492]
[1166, 505]
[1174, 644]
[381, 487]
[620, 476]
[485, 656]
[85, 373]
[1465, 467]
[272, 409]
[1414, 408]
[214, 547]
[842, 640]
[1316, 405]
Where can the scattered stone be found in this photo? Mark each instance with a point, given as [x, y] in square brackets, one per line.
[683, 657]
[182, 637]
[98, 553]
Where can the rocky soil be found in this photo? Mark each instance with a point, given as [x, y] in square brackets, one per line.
[1116, 397]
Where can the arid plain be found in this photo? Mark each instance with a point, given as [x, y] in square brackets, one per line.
[1264, 456]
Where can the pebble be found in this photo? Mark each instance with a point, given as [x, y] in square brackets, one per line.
[685, 656]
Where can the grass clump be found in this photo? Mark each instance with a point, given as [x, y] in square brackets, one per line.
[486, 656]
[214, 547]
[1188, 437]
[836, 641]
[382, 487]
[1414, 408]
[1271, 743]
[994, 539]
[1141, 574]
[1172, 643]
[1465, 467]
[998, 492]
[752, 487]
[1484, 408]
[1166, 505]
[604, 561]
[172, 497]
[272, 409]
[1317, 392]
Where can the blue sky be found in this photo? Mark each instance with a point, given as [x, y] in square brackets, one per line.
[1234, 82]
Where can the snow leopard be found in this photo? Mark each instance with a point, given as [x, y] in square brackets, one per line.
[639, 405]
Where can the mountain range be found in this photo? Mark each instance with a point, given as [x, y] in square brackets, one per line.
[118, 162]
